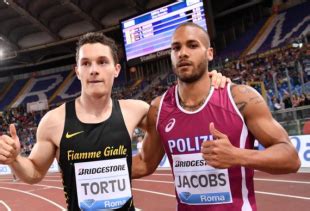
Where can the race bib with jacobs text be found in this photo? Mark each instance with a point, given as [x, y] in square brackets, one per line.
[198, 183]
[102, 184]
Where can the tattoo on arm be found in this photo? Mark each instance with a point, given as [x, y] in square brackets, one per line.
[256, 100]
[244, 91]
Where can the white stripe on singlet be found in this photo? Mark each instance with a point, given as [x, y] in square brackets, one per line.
[159, 109]
[244, 133]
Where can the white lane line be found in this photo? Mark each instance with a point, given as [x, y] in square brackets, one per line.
[39, 189]
[154, 192]
[52, 180]
[5, 205]
[285, 181]
[283, 195]
[35, 195]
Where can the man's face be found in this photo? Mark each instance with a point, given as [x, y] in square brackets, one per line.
[96, 69]
[190, 53]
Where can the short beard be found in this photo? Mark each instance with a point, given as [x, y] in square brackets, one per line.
[200, 71]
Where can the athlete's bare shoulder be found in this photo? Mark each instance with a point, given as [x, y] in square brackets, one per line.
[247, 99]
[51, 125]
[136, 106]
[54, 115]
[134, 113]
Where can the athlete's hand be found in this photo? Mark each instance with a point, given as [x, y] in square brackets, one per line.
[218, 80]
[9, 146]
[219, 153]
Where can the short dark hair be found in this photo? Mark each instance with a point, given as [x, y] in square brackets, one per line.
[196, 26]
[97, 37]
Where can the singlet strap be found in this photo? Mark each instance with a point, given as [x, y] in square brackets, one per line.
[70, 112]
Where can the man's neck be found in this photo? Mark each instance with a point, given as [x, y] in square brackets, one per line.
[192, 94]
[93, 110]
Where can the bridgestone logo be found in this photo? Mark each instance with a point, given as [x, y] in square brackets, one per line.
[105, 169]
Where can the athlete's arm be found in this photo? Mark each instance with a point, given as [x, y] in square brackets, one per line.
[134, 113]
[279, 156]
[33, 169]
[135, 116]
[147, 161]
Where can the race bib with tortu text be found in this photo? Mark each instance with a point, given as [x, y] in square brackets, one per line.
[102, 184]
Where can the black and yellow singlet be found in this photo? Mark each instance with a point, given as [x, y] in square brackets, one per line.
[95, 160]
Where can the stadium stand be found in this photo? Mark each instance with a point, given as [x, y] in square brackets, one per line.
[14, 91]
[238, 46]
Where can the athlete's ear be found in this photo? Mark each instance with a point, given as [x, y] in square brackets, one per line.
[76, 69]
[118, 68]
[209, 54]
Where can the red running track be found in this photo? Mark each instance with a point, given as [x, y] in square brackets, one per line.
[156, 192]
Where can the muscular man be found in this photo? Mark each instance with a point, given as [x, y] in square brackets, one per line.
[209, 134]
[90, 136]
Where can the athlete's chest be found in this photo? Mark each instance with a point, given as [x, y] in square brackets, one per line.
[185, 132]
[85, 142]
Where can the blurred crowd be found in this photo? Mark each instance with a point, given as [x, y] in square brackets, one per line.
[283, 72]
[26, 125]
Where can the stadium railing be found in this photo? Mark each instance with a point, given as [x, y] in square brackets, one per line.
[294, 119]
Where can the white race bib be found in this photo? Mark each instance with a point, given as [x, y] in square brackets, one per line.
[103, 184]
[198, 183]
